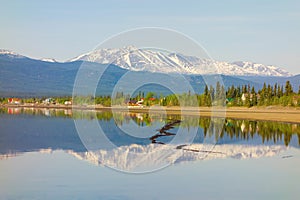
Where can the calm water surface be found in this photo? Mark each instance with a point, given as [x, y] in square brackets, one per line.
[43, 157]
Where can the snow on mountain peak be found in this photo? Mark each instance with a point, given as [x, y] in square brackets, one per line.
[49, 60]
[135, 59]
[10, 53]
[266, 70]
[132, 58]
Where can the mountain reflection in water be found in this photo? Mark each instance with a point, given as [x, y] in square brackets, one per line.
[47, 130]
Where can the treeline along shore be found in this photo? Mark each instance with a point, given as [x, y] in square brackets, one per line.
[234, 96]
[271, 102]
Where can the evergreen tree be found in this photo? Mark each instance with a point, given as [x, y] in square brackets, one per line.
[253, 90]
[269, 91]
[248, 90]
[275, 90]
[222, 94]
[231, 92]
[228, 93]
[212, 92]
[238, 92]
[288, 89]
[244, 89]
[254, 97]
[248, 100]
[218, 91]
[262, 94]
[264, 90]
[279, 91]
[206, 90]
[238, 95]
[205, 99]
[269, 95]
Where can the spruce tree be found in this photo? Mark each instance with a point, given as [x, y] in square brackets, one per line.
[254, 96]
[212, 92]
[244, 89]
[275, 90]
[263, 94]
[222, 92]
[288, 88]
[218, 91]
[279, 91]
[206, 90]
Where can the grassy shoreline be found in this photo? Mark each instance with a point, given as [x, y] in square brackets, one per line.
[271, 113]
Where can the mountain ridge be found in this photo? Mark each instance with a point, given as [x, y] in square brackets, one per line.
[134, 59]
[25, 77]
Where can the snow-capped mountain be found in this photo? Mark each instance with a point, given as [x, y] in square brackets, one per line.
[48, 60]
[10, 54]
[135, 59]
[268, 70]
[13, 54]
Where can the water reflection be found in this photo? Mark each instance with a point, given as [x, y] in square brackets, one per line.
[269, 131]
[164, 131]
[47, 130]
[121, 159]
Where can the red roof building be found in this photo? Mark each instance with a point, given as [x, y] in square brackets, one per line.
[14, 101]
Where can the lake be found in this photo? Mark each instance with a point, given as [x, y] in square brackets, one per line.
[65, 154]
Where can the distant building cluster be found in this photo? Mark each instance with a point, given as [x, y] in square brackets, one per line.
[15, 101]
[46, 101]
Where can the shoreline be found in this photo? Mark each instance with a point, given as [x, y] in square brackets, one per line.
[271, 113]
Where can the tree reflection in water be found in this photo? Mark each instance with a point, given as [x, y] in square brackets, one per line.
[269, 131]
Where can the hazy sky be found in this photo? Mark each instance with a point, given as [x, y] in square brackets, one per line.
[266, 32]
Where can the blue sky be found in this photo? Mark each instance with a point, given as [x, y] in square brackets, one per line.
[266, 32]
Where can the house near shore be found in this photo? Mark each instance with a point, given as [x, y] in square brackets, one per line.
[152, 99]
[68, 103]
[246, 95]
[15, 101]
[140, 102]
[133, 103]
[49, 101]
